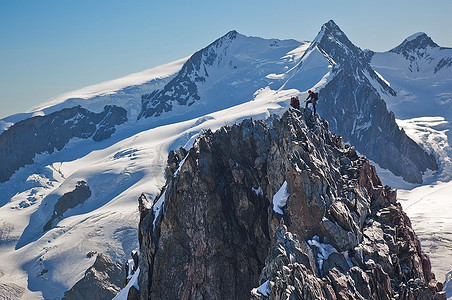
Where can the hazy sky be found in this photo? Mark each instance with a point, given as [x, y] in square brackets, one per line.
[51, 47]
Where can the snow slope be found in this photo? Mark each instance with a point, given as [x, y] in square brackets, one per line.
[125, 92]
[429, 206]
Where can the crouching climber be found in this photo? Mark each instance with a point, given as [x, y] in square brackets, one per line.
[295, 102]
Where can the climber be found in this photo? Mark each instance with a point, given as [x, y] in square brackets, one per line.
[312, 98]
[295, 102]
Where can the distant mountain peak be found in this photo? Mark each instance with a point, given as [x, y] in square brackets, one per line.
[333, 41]
[416, 36]
[419, 40]
[331, 36]
[231, 34]
[333, 28]
[330, 30]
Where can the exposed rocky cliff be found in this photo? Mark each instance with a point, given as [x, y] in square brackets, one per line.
[278, 210]
[22, 141]
[417, 49]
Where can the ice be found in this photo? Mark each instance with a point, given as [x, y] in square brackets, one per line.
[429, 208]
[432, 134]
[116, 85]
[428, 205]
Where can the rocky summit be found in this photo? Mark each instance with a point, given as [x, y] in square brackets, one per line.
[281, 209]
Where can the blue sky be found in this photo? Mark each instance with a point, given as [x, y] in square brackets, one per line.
[49, 47]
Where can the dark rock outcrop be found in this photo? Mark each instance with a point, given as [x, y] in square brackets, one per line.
[22, 141]
[103, 280]
[214, 232]
[356, 111]
[68, 201]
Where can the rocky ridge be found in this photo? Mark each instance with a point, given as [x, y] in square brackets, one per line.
[218, 231]
[68, 201]
[183, 89]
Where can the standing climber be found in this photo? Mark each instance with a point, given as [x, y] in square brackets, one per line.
[295, 102]
[312, 98]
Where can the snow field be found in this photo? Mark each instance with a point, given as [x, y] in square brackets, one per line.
[429, 206]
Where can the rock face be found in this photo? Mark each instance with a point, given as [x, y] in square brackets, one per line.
[355, 109]
[102, 280]
[183, 89]
[22, 141]
[215, 233]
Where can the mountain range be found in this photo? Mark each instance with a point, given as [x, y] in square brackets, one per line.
[73, 167]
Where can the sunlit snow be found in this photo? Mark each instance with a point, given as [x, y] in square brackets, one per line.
[280, 198]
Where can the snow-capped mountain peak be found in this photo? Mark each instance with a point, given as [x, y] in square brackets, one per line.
[334, 41]
[415, 42]
[335, 45]
[423, 54]
[231, 57]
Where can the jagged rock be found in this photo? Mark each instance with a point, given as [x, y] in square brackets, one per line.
[341, 239]
[133, 293]
[130, 267]
[335, 260]
[213, 232]
[103, 280]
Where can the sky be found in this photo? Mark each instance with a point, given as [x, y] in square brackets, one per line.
[50, 47]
